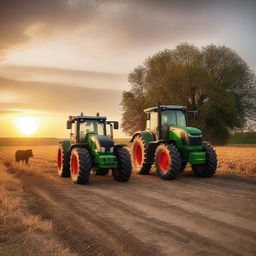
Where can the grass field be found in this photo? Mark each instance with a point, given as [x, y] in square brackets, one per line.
[237, 160]
[24, 232]
[28, 141]
[43, 141]
[231, 159]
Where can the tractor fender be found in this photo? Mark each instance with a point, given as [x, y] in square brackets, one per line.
[66, 145]
[147, 136]
[119, 146]
[79, 145]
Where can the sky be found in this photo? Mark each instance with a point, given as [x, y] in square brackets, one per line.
[61, 57]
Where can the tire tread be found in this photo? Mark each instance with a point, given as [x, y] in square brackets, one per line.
[123, 171]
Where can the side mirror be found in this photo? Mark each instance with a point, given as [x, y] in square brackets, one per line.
[196, 115]
[69, 124]
[116, 126]
[147, 116]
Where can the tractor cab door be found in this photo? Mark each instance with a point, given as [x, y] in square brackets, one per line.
[153, 123]
[73, 133]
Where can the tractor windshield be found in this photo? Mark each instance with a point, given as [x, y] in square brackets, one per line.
[173, 117]
[91, 126]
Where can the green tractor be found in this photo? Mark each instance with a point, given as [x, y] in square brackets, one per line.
[89, 148]
[170, 144]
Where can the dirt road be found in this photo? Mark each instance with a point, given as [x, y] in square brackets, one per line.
[149, 216]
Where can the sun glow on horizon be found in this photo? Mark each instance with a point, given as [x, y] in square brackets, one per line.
[27, 125]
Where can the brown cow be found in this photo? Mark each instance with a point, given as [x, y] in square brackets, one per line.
[23, 155]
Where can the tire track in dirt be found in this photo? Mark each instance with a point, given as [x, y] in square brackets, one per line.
[203, 194]
[141, 228]
[148, 216]
[188, 219]
[92, 223]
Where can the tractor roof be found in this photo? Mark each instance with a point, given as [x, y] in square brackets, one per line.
[79, 118]
[165, 107]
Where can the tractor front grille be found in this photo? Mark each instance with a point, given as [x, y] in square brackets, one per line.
[195, 140]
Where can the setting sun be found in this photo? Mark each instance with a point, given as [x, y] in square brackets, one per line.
[27, 125]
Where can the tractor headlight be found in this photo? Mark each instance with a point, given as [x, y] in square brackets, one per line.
[102, 149]
[111, 149]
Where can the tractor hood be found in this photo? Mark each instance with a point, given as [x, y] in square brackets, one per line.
[189, 130]
[103, 144]
[185, 135]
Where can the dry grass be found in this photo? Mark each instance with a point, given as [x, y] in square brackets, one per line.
[21, 232]
[25, 234]
[237, 160]
[43, 162]
[232, 160]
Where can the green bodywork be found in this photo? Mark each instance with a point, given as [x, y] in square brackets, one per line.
[179, 136]
[191, 154]
[147, 136]
[66, 144]
[101, 159]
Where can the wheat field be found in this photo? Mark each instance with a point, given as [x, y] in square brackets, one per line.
[237, 160]
[24, 232]
[27, 233]
[231, 159]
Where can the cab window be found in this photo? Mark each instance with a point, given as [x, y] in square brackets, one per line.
[173, 117]
[91, 126]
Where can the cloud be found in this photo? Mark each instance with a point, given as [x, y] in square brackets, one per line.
[55, 98]
[81, 78]
[122, 23]
[19, 19]
[117, 35]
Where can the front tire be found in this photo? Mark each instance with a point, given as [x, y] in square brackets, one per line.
[139, 153]
[209, 168]
[63, 161]
[123, 171]
[168, 161]
[80, 165]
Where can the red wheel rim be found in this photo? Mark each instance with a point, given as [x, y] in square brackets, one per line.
[138, 153]
[164, 161]
[74, 164]
[59, 159]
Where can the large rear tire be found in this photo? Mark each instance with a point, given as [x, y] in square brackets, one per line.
[209, 168]
[168, 161]
[63, 161]
[123, 171]
[139, 156]
[80, 165]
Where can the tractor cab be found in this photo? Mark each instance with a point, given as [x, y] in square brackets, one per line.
[160, 118]
[81, 126]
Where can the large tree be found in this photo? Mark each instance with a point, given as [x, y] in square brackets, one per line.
[213, 80]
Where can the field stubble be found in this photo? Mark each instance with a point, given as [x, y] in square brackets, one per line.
[22, 231]
[232, 160]
[237, 160]
[29, 234]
